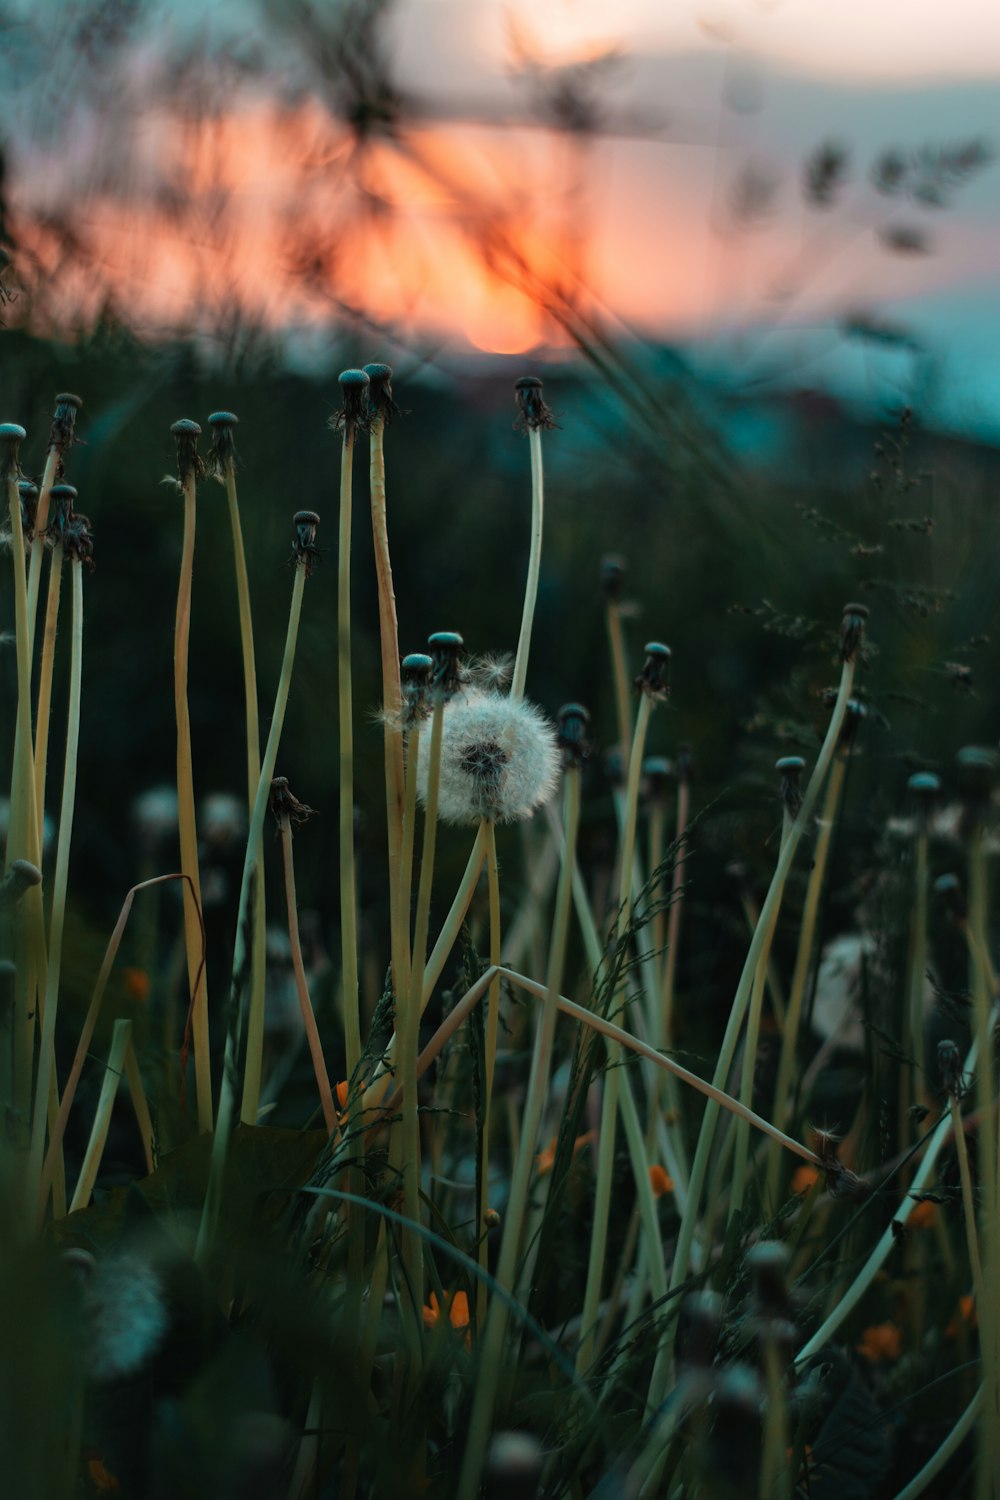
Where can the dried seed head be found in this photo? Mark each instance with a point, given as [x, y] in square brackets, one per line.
[304, 549]
[852, 630]
[223, 451]
[62, 499]
[790, 768]
[612, 576]
[654, 679]
[953, 1080]
[415, 682]
[499, 759]
[61, 433]
[11, 438]
[189, 464]
[574, 734]
[533, 413]
[354, 386]
[446, 655]
[380, 399]
[285, 806]
[78, 541]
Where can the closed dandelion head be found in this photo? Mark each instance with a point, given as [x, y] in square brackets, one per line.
[304, 549]
[949, 1060]
[855, 715]
[654, 679]
[657, 774]
[790, 768]
[189, 463]
[28, 493]
[415, 686]
[574, 734]
[61, 433]
[62, 499]
[78, 541]
[223, 452]
[949, 891]
[533, 414]
[353, 413]
[499, 760]
[612, 576]
[11, 438]
[852, 630]
[448, 676]
[380, 402]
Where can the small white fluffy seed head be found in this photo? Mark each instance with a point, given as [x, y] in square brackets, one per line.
[499, 759]
[126, 1313]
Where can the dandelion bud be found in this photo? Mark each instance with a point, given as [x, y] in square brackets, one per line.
[977, 769]
[614, 766]
[189, 464]
[380, 402]
[574, 738]
[64, 421]
[19, 879]
[950, 1067]
[304, 549]
[790, 768]
[62, 498]
[658, 772]
[948, 888]
[354, 385]
[499, 760]
[11, 438]
[852, 630]
[699, 1325]
[223, 425]
[514, 1463]
[612, 576]
[654, 679]
[733, 1447]
[768, 1267]
[532, 411]
[415, 683]
[285, 806]
[925, 788]
[446, 653]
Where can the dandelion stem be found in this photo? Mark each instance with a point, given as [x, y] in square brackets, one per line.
[768, 914]
[46, 1057]
[255, 1024]
[45, 682]
[298, 968]
[252, 866]
[534, 564]
[197, 981]
[492, 1028]
[619, 672]
[494, 1333]
[803, 959]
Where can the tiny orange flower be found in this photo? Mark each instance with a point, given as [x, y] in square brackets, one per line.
[457, 1305]
[341, 1090]
[881, 1342]
[922, 1215]
[136, 983]
[804, 1177]
[104, 1482]
[660, 1181]
[545, 1160]
[966, 1314]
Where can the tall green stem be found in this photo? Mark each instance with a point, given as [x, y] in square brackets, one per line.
[534, 565]
[251, 866]
[345, 704]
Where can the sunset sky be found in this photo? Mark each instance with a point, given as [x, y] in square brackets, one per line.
[701, 107]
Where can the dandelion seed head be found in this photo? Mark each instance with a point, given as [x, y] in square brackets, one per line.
[499, 759]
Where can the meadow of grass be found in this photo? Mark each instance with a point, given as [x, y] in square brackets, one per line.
[597, 1096]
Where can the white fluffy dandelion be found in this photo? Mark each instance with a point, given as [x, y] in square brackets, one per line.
[499, 759]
